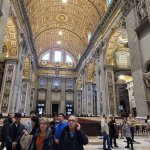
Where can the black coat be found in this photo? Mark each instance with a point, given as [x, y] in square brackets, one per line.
[113, 132]
[73, 143]
[13, 136]
[47, 144]
[6, 123]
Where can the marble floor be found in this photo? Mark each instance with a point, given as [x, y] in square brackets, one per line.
[142, 143]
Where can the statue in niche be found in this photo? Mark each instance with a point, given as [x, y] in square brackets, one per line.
[141, 8]
[147, 79]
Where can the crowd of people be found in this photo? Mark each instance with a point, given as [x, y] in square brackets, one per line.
[61, 133]
[110, 131]
[40, 134]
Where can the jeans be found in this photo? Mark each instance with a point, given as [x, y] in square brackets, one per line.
[132, 133]
[106, 138]
[129, 141]
[111, 139]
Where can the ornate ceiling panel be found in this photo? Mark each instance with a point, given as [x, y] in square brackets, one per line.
[75, 19]
[116, 42]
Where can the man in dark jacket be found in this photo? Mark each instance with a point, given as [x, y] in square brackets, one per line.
[53, 123]
[15, 133]
[6, 123]
[73, 138]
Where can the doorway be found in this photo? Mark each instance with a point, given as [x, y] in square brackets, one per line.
[55, 108]
[40, 108]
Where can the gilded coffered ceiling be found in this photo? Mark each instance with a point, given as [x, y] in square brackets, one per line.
[74, 19]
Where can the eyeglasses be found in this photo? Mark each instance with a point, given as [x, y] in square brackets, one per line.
[71, 120]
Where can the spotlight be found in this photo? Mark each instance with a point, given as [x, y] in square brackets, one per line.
[60, 32]
[121, 77]
[64, 1]
[59, 42]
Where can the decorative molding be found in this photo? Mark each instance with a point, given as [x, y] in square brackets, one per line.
[1, 4]
[148, 8]
[127, 6]
[7, 88]
[29, 39]
[99, 29]
[141, 9]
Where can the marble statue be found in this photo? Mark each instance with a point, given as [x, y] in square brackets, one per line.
[141, 7]
[147, 78]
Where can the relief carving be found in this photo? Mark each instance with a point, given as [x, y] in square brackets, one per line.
[127, 5]
[141, 9]
[7, 89]
[24, 92]
[110, 93]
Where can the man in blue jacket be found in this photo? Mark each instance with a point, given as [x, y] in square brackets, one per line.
[59, 128]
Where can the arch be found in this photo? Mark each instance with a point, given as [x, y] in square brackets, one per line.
[116, 42]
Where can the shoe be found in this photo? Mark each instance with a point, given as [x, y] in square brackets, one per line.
[115, 145]
[132, 148]
[127, 147]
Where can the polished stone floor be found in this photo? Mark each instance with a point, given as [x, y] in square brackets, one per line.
[142, 143]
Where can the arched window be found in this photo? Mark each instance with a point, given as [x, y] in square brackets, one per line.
[109, 2]
[58, 56]
[46, 57]
[69, 59]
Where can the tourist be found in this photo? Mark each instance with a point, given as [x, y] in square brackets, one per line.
[28, 124]
[132, 121]
[59, 128]
[147, 121]
[53, 123]
[25, 140]
[113, 132]
[127, 133]
[105, 132]
[73, 138]
[15, 132]
[6, 123]
[43, 140]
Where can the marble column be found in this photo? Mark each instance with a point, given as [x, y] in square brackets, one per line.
[35, 95]
[110, 90]
[8, 87]
[48, 96]
[24, 97]
[136, 66]
[3, 21]
[18, 81]
[63, 95]
[84, 103]
[79, 102]
[99, 98]
[89, 98]
[130, 89]
[75, 97]
[101, 86]
[28, 100]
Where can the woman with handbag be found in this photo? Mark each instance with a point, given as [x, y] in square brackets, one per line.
[25, 141]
